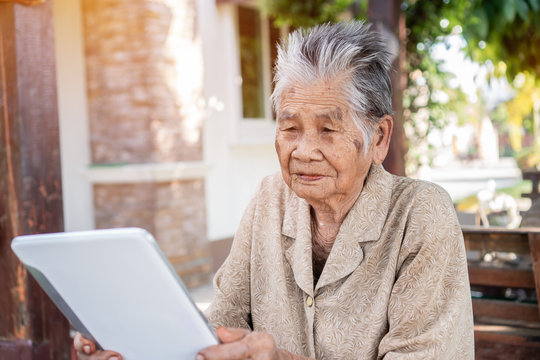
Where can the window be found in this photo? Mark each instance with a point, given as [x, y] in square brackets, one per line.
[257, 48]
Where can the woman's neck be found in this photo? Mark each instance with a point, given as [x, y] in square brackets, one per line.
[324, 229]
[328, 216]
[326, 220]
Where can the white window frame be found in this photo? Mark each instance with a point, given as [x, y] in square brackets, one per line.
[256, 131]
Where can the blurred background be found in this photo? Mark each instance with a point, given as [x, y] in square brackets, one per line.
[156, 114]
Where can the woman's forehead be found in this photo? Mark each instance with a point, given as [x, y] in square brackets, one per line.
[331, 113]
[334, 86]
[327, 97]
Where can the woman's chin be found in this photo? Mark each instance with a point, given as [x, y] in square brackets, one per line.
[311, 191]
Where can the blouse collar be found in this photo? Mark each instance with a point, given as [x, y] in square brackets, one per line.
[363, 223]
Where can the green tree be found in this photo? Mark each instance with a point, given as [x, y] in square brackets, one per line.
[307, 13]
[507, 33]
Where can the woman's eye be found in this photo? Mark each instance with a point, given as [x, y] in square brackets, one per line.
[289, 128]
[328, 130]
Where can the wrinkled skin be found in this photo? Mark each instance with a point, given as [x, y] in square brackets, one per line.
[322, 159]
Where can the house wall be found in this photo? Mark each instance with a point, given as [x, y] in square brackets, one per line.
[151, 126]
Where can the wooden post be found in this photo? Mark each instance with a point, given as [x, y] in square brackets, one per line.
[30, 179]
[388, 15]
[534, 244]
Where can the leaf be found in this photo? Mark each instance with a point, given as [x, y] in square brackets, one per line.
[509, 10]
[522, 9]
[535, 6]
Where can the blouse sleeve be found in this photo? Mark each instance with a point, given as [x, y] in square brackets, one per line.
[430, 311]
[231, 305]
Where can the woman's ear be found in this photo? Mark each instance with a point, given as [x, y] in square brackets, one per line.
[381, 138]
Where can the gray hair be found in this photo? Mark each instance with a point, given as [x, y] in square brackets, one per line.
[329, 52]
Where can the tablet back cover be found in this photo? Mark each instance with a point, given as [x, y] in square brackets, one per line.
[117, 286]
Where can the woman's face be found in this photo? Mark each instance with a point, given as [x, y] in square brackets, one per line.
[320, 149]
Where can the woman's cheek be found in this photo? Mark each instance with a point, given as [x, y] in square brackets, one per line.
[284, 145]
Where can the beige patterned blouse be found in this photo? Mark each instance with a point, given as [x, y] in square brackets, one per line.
[395, 285]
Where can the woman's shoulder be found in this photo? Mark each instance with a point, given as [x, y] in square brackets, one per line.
[419, 190]
[429, 213]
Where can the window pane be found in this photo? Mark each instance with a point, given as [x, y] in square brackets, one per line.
[275, 36]
[249, 25]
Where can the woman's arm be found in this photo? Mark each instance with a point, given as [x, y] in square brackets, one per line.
[231, 306]
[430, 311]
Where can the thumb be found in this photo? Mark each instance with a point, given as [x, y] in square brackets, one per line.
[228, 335]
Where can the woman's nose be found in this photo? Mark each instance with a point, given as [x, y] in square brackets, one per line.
[308, 148]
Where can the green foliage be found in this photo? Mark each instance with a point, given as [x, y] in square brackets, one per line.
[511, 31]
[507, 31]
[429, 105]
[306, 13]
[429, 102]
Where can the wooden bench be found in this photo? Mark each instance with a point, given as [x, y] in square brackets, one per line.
[505, 328]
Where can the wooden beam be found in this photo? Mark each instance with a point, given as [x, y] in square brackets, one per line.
[504, 277]
[505, 240]
[485, 310]
[498, 230]
[388, 13]
[534, 243]
[494, 345]
[30, 178]
[13, 323]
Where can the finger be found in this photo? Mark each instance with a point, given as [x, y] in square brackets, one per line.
[83, 345]
[228, 335]
[254, 345]
[100, 355]
[230, 351]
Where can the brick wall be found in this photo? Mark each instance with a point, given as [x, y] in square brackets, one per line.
[144, 76]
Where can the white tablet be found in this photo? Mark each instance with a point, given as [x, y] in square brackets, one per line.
[117, 287]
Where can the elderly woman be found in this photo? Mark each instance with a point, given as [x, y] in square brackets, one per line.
[335, 258]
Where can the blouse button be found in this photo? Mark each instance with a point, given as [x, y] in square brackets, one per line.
[309, 301]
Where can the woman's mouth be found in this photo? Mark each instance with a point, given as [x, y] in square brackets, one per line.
[309, 177]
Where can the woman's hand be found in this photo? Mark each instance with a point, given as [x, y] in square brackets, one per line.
[242, 344]
[86, 350]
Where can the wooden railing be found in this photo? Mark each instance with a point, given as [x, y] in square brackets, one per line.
[504, 273]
